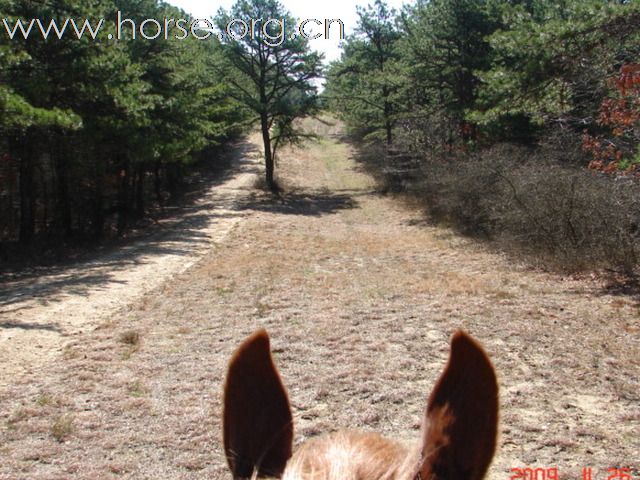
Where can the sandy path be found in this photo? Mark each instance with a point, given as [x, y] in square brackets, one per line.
[360, 296]
[39, 314]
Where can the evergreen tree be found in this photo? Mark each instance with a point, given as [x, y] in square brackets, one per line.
[366, 81]
[270, 69]
[551, 60]
[445, 43]
[87, 122]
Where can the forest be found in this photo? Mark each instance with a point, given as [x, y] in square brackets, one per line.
[514, 120]
[94, 131]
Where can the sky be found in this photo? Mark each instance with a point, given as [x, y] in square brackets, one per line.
[345, 10]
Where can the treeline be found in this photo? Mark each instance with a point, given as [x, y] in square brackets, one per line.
[94, 130]
[517, 120]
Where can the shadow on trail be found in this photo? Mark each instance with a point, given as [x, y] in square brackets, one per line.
[51, 284]
[622, 285]
[29, 326]
[177, 231]
[45, 291]
[304, 202]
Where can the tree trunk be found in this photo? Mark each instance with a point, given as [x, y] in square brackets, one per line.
[139, 191]
[27, 196]
[388, 123]
[157, 184]
[173, 179]
[268, 157]
[98, 208]
[124, 204]
[63, 203]
[389, 130]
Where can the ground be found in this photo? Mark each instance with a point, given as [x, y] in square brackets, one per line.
[117, 373]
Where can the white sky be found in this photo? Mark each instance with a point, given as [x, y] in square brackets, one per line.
[345, 10]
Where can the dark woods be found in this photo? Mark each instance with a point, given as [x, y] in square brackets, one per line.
[94, 131]
[97, 128]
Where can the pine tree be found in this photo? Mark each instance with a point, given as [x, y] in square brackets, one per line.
[270, 69]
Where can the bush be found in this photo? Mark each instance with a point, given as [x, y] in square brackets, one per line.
[537, 202]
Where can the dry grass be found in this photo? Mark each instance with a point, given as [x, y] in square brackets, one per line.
[62, 427]
[360, 299]
[130, 337]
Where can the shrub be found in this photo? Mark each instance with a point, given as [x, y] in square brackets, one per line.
[538, 201]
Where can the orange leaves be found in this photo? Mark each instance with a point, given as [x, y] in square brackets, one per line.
[605, 157]
[629, 78]
[624, 110]
[618, 113]
[621, 114]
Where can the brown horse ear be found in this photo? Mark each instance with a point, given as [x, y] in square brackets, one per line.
[257, 422]
[461, 419]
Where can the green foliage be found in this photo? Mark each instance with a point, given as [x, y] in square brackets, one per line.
[17, 111]
[550, 59]
[84, 122]
[468, 72]
[473, 77]
[270, 70]
[19, 114]
[365, 84]
[446, 46]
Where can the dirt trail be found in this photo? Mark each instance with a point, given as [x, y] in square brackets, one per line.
[39, 314]
[360, 297]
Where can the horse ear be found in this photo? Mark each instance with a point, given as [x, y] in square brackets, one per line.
[257, 422]
[461, 419]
